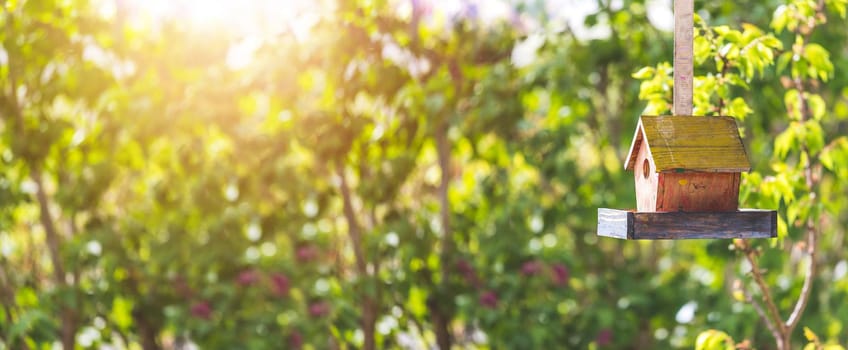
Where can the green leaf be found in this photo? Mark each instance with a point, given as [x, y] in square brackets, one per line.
[782, 229]
[698, 20]
[814, 136]
[701, 49]
[735, 79]
[784, 188]
[714, 340]
[738, 108]
[792, 213]
[733, 36]
[810, 335]
[783, 61]
[837, 149]
[729, 51]
[781, 18]
[738, 295]
[122, 312]
[722, 30]
[816, 105]
[837, 6]
[772, 42]
[793, 103]
[819, 60]
[826, 160]
[750, 68]
[644, 73]
[28, 320]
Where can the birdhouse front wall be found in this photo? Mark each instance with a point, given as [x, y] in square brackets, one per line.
[697, 191]
[645, 174]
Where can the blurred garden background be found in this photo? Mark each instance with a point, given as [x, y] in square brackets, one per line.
[405, 174]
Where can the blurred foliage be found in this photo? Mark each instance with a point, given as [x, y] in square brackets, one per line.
[398, 176]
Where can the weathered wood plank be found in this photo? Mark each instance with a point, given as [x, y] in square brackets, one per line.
[615, 223]
[745, 223]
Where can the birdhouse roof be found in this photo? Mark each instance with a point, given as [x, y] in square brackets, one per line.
[710, 144]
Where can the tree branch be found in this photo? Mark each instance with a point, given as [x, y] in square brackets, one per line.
[443, 150]
[724, 68]
[811, 182]
[12, 77]
[761, 283]
[68, 317]
[353, 225]
[440, 317]
[771, 324]
[369, 305]
[50, 232]
[785, 329]
[7, 293]
[807, 288]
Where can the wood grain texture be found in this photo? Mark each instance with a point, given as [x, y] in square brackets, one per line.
[697, 191]
[684, 31]
[709, 144]
[745, 223]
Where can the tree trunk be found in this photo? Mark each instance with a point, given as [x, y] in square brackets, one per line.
[441, 318]
[369, 304]
[369, 322]
[69, 322]
[440, 323]
[69, 328]
[147, 332]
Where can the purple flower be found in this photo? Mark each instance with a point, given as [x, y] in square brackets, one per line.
[319, 309]
[306, 253]
[280, 284]
[296, 340]
[202, 310]
[467, 271]
[604, 337]
[489, 299]
[247, 277]
[560, 274]
[531, 268]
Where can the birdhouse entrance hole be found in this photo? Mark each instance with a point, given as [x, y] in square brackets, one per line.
[646, 168]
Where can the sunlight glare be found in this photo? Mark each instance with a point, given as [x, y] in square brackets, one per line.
[243, 17]
[250, 22]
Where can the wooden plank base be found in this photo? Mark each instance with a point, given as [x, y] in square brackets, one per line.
[744, 223]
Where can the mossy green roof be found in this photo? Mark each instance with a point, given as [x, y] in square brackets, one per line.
[710, 144]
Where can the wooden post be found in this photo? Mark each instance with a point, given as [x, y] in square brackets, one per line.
[683, 56]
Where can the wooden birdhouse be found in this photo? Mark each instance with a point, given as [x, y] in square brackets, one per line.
[687, 169]
[687, 164]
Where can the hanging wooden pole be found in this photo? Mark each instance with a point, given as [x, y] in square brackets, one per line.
[683, 56]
